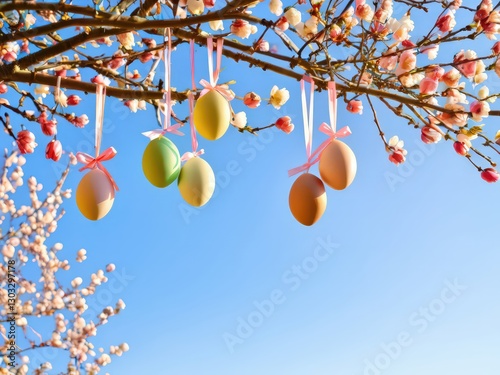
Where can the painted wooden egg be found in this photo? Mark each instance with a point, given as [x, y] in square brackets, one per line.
[196, 182]
[211, 115]
[95, 195]
[337, 165]
[161, 162]
[307, 199]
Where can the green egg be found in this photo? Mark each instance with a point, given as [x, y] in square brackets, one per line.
[211, 115]
[161, 162]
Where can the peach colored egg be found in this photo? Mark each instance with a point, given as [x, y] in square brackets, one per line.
[196, 182]
[95, 195]
[337, 165]
[307, 199]
[211, 115]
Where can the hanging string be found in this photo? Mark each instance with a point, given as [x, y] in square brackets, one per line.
[330, 130]
[91, 162]
[307, 117]
[57, 90]
[194, 142]
[167, 97]
[214, 75]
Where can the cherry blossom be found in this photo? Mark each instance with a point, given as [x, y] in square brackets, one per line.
[278, 97]
[285, 124]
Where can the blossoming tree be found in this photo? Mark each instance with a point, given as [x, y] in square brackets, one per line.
[383, 63]
[375, 51]
[29, 297]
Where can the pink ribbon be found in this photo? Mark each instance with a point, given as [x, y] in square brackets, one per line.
[194, 141]
[96, 162]
[167, 127]
[308, 123]
[214, 76]
[331, 131]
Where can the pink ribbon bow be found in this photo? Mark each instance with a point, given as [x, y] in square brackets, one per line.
[167, 128]
[331, 131]
[214, 76]
[96, 162]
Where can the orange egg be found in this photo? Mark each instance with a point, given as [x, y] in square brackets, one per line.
[95, 195]
[307, 199]
[337, 165]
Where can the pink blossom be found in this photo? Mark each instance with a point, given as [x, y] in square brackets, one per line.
[364, 12]
[460, 148]
[79, 121]
[60, 73]
[428, 86]
[388, 62]
[262, 45]
[73, 100]
[251, 100]
[431, 51]
[430, 135]
[458, 117]
[209, 3]
[464, 65]
[282, 24]
[25, 46]
[490, 175]
[3, 88]
[479, 110]
[355, 106]
[145, 57]
[99, 79]
[285, 123]
[53, 150]
[407, 62]
[10, 56]
[242, 28]
[26, 142]
[397, 157]
[451, 78]
[496, 48]
[117, 60]
[434, 72]
[49, 127]
[446, 23]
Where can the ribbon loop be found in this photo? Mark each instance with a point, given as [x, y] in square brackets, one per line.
[307, 117]
[330, 130]
[167, 112]
[222, 89]
[189, 155]
[91, 162]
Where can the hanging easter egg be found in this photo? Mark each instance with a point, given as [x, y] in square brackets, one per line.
[337, 165]
[211, 115]
[196, 182]
[161, 162]
[307, 199]
[95, 195]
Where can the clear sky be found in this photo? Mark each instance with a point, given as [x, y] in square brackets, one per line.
[400, 275]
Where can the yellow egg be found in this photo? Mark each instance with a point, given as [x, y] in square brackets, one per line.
[211, 115]
[95, 195]
[307, 199]
[161, 162]
[196, 182]
[337, 165]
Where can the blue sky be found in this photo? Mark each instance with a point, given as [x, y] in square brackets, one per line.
[409, 264]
